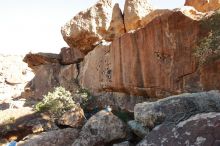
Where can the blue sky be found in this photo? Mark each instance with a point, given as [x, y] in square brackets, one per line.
[34, 25]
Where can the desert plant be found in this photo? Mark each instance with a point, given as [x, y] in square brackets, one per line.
[57, 102]
[208, 48]
[82, 96]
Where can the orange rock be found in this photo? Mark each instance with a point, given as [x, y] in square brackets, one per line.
[155, 61]
[204, 5]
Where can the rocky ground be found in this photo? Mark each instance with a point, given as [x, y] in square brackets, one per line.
[143, 77]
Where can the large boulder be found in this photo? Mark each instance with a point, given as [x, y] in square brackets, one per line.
[134, 13]
[199, 130]
[101, 128]
[88, 27]
[176, 108]
[157, 60]
[204, 5]
[53, 138]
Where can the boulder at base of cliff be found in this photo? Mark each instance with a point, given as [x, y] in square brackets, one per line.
[176, 108]
[204, 5]
[73, 117]
[64, 137]
[199, 130]
[101, 128]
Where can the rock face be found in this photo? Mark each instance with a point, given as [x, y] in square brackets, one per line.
[200, 130]
[134, 13]
[73, 117]
[88, 27]
[117, 27]
[52, 75]
[70, 56]
[101, 128]
[204, 5]
[176, 108]
[154, 61]
[53, 138]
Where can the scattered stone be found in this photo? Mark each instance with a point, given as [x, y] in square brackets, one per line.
[63, 137]
[199, 130]
[174, 109]
[134, 13]
[101, 128]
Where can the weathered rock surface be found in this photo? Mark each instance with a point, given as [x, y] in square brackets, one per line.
[70, 56]
[117, 27]
[156, 61]
[41, 59]
[73, 117]
[204, 5]
[199, 130]
[101, 128]
[134, 13]
[176, 108]
[53, 138]
[138, 129]
[88, 27]
[14, 75]
[52, 75]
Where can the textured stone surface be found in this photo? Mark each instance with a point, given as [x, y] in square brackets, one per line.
[52, 75]
[138, 129]
[88, 27]
[41, 59]
[199, 130]
[176, 108]
[156, 61]
[134, 13]
[73, 117]
[116, 100]
[117, 27]
[53, 138]
[204, 5]
[101, 128]
[70, 56]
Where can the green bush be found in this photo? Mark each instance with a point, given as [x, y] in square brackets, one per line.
[57, 102]
[209, 47]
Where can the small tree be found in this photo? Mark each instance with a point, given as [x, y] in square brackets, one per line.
[57, 102]
[208, 48]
